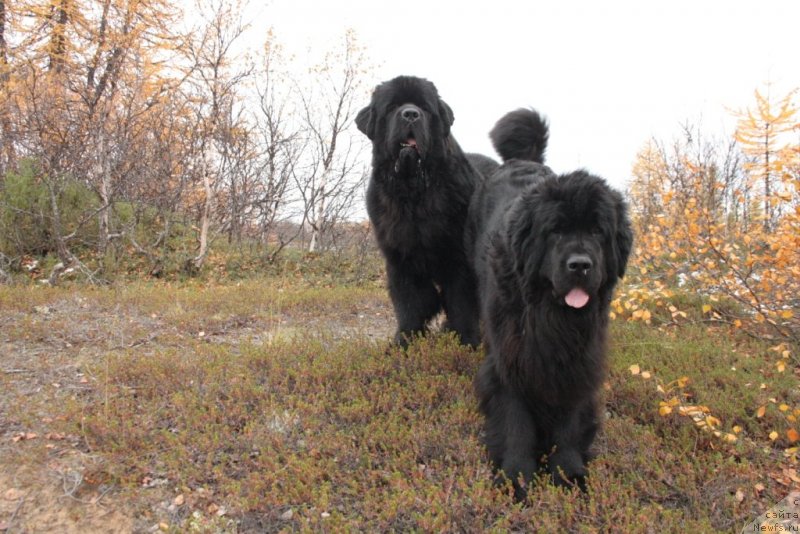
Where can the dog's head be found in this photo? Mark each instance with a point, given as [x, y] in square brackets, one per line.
[406, 121]
[570, 235]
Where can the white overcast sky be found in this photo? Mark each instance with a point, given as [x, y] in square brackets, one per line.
[608, 74]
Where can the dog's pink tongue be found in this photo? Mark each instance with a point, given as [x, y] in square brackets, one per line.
[577, 298]
[411, 141]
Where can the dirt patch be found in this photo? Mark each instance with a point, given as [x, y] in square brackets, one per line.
[49, 481]
[56, 498]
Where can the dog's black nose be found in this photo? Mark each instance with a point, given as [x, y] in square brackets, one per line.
[579, 263]
[410, 113]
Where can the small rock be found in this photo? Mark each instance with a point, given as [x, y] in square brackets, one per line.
[287, 515]
[13, 494]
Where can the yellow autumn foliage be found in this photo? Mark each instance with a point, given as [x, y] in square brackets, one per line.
[721, 221]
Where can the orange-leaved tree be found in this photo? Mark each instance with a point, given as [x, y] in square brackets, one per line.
[717, 225]
[708, 223]
[761, 134]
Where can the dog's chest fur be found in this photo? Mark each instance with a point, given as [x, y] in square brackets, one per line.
[421, 223]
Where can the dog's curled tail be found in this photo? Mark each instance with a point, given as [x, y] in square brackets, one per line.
[520, 134]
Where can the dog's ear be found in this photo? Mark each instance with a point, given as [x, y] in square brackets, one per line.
[365, 121]
[446, 116]
[526, 243]
[623, 238]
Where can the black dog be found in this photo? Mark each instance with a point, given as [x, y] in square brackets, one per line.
[548, 252]
[417, 200]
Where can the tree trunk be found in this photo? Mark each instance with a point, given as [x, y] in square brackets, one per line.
[64, 254]
[5, 121]
[58, 39]
[205, 224]
[319, 213]
[104, 170]
[767, 186]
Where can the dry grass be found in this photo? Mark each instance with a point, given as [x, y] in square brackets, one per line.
[272, 405]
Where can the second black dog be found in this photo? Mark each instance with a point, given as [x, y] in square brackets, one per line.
[548, 252]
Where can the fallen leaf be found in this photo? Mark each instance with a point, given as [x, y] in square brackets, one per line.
[792, 474]
[783, 481]
[646, 375]
[634, 369]
[179, 500]
[21, 436]
[773, 435]
[739, 495]
[793, 435]
[761, 411]
[730, 438]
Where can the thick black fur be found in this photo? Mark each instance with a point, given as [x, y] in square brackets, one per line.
[538, 385]
[417, 199]
[521, 134]
[483, 164]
